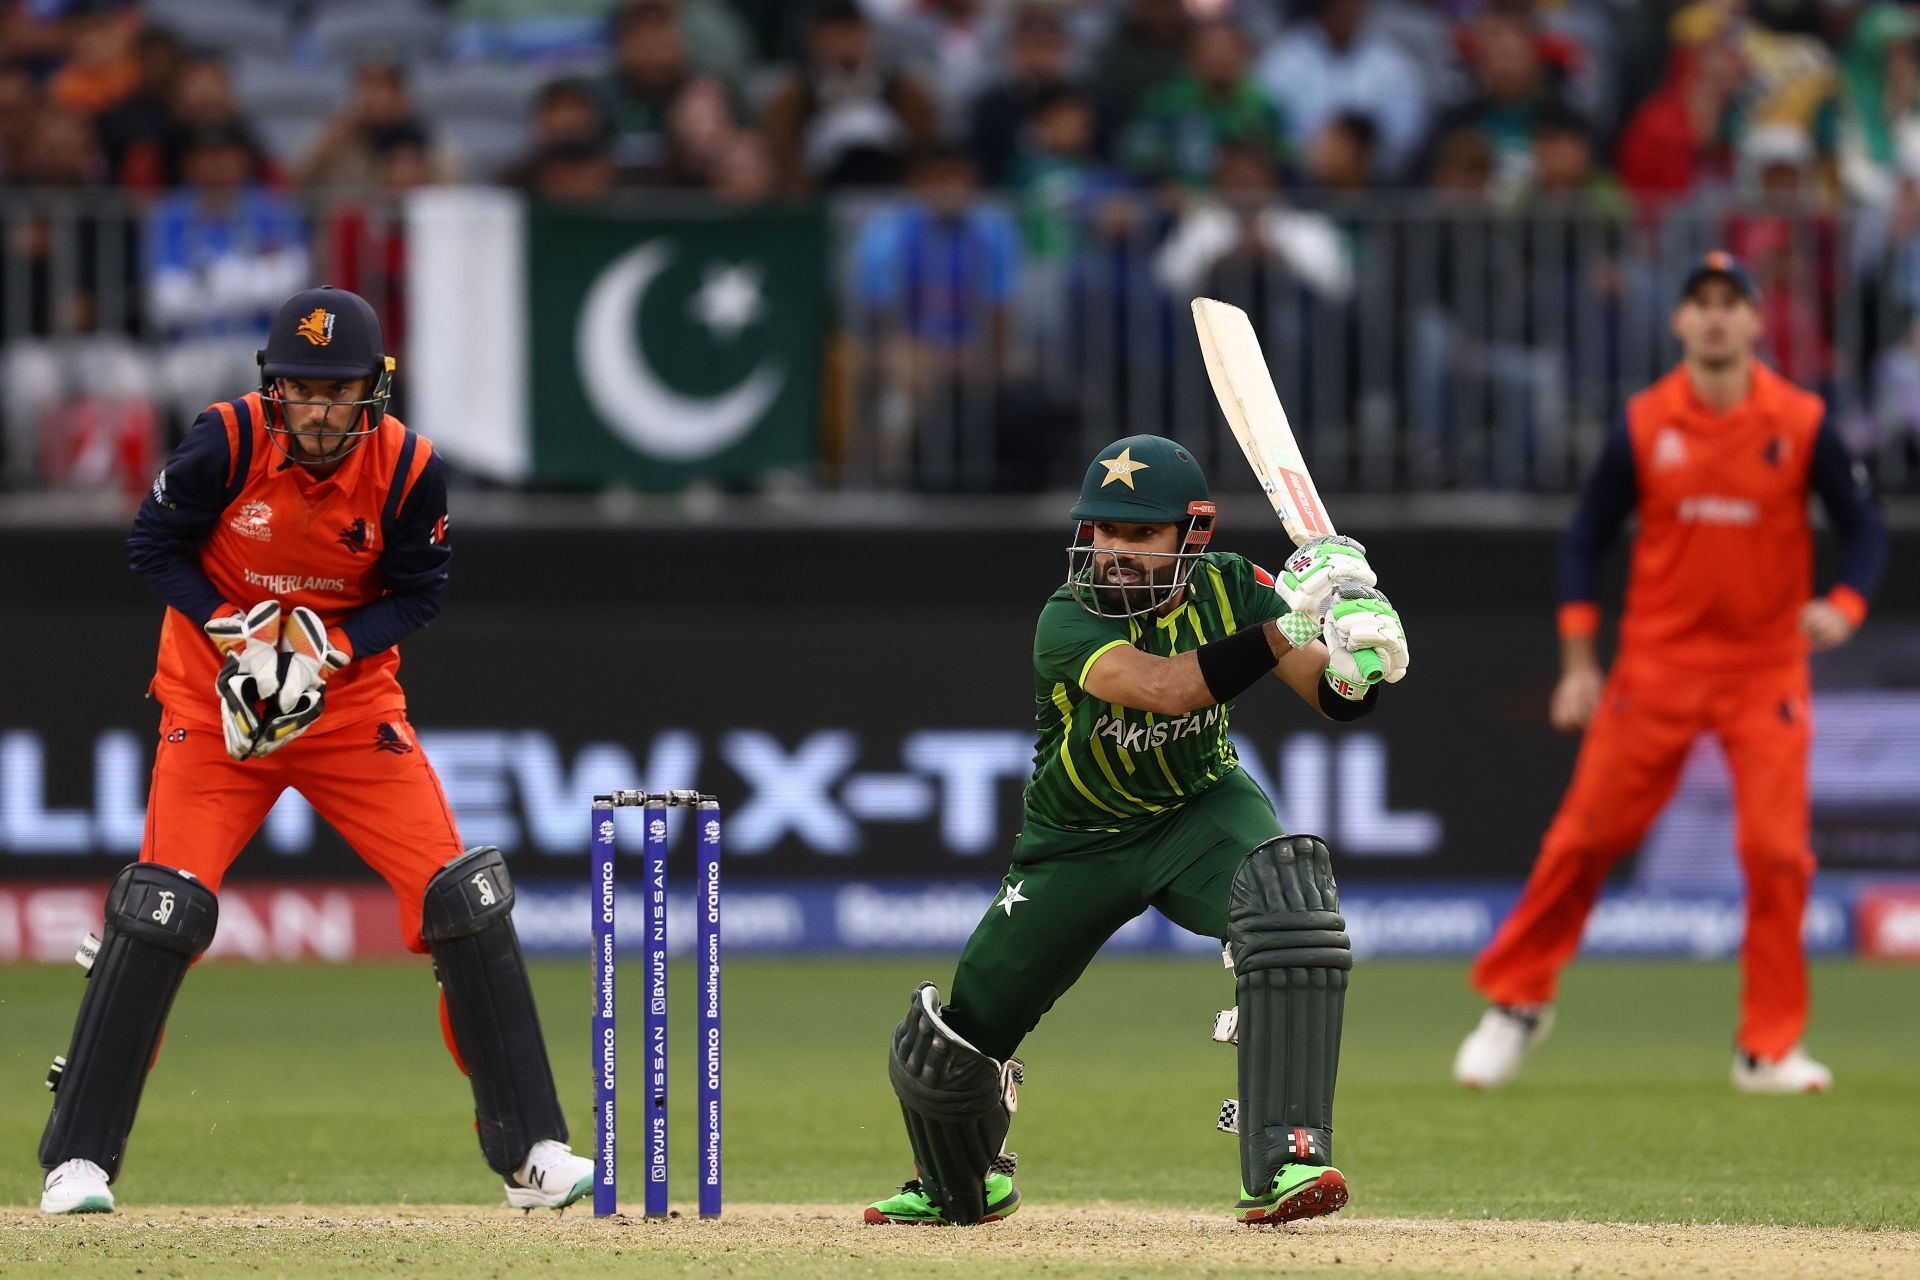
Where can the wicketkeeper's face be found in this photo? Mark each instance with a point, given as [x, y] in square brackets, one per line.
[322, 415]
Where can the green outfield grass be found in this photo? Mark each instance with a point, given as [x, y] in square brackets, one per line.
[327, 1086]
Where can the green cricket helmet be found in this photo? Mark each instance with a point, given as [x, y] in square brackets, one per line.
[1137, 480]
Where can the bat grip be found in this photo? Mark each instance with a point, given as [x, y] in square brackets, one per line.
[1369, 664]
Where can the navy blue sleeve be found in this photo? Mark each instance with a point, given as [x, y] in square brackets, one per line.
[1604, 508]
[414, 562]
[1845, 492]
[176, 517]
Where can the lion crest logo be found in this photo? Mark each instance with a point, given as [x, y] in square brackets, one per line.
[317, 327]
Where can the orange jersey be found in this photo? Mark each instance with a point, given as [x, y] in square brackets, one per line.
[364, 547]
[1723, 560]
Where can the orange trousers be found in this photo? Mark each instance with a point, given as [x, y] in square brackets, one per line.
[370, 781]
[1630, 760]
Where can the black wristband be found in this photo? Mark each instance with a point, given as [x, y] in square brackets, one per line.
[1335, 707]
[1234, 665]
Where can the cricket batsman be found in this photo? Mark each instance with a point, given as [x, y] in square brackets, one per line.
[1137, 800]
[1715, 460]
[297, 535]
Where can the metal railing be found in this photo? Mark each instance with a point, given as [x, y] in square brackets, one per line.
[1419, 344]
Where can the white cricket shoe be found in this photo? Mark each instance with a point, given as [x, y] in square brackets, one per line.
[76, 1186]
[1794, 1072]
[552, 1178]
[1490, 1055]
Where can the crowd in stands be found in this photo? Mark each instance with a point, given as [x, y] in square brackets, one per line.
[266, 142]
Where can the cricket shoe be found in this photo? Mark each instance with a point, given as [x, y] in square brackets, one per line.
[1793, 1072]
[913, 1207]
[1490, 1055]
[76, 1186]
[1298, 1191]
[552, 1178]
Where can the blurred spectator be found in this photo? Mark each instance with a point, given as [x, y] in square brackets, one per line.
[566, 110]
[365, 243]
[666, 117]
[1896, 395]
[74, 389]
[1566, 171]
[1882, 100]
[1146, 49]
[570, 33]
[35, 35]
[743, 171]
[1057, 176]
[1340, 158]
[934, 278]
[1242, 229]
[1462, 167]
[346, 156]
[1333, 63]
[1788, 241]
[1181, 126]
[1036, 67]
[952, 46]
[100, 68]
[573, 171]
[1512, 85]
[19, 108]
[842, 119]
[141, 120]
[1559, 55]
[1680, 136]
[202, 95]
[221, 254]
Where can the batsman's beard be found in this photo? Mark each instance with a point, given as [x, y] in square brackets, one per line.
[1110, 583]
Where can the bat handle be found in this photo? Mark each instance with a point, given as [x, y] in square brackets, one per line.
[1369, 664]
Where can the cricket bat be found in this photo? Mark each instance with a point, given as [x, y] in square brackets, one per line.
[1244, 386]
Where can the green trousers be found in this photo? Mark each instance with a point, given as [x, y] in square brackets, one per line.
[1068, 892]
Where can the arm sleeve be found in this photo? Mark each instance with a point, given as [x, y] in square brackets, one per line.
[414, 563]
[1848, 498]
[176, 516]
[1068, 639]
[1604, 507]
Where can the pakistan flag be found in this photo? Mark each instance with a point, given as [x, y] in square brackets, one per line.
[578, 349]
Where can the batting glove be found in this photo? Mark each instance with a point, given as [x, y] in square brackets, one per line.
[1360, 618]
[1317, 567]
[250, 673]
[306, 658]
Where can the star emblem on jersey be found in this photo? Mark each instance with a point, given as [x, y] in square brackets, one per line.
[1121, 468]
[1013, 895]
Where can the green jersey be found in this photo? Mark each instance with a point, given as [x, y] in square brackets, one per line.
[1098, 766]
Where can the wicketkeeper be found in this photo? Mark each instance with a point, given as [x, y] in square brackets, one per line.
[297, 535]
[1137, 800]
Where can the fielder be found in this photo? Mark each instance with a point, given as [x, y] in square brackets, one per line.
[1716, 460]
[297, 535]
[1137, 800]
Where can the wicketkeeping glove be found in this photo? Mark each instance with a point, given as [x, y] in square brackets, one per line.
[250, 673]
[1319, 565]
[1362, 619]
[305, 660]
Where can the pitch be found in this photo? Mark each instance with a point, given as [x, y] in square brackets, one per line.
[305, 1120]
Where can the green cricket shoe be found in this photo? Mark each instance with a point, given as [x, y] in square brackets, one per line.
[912, 1207]
[1298, 1191]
